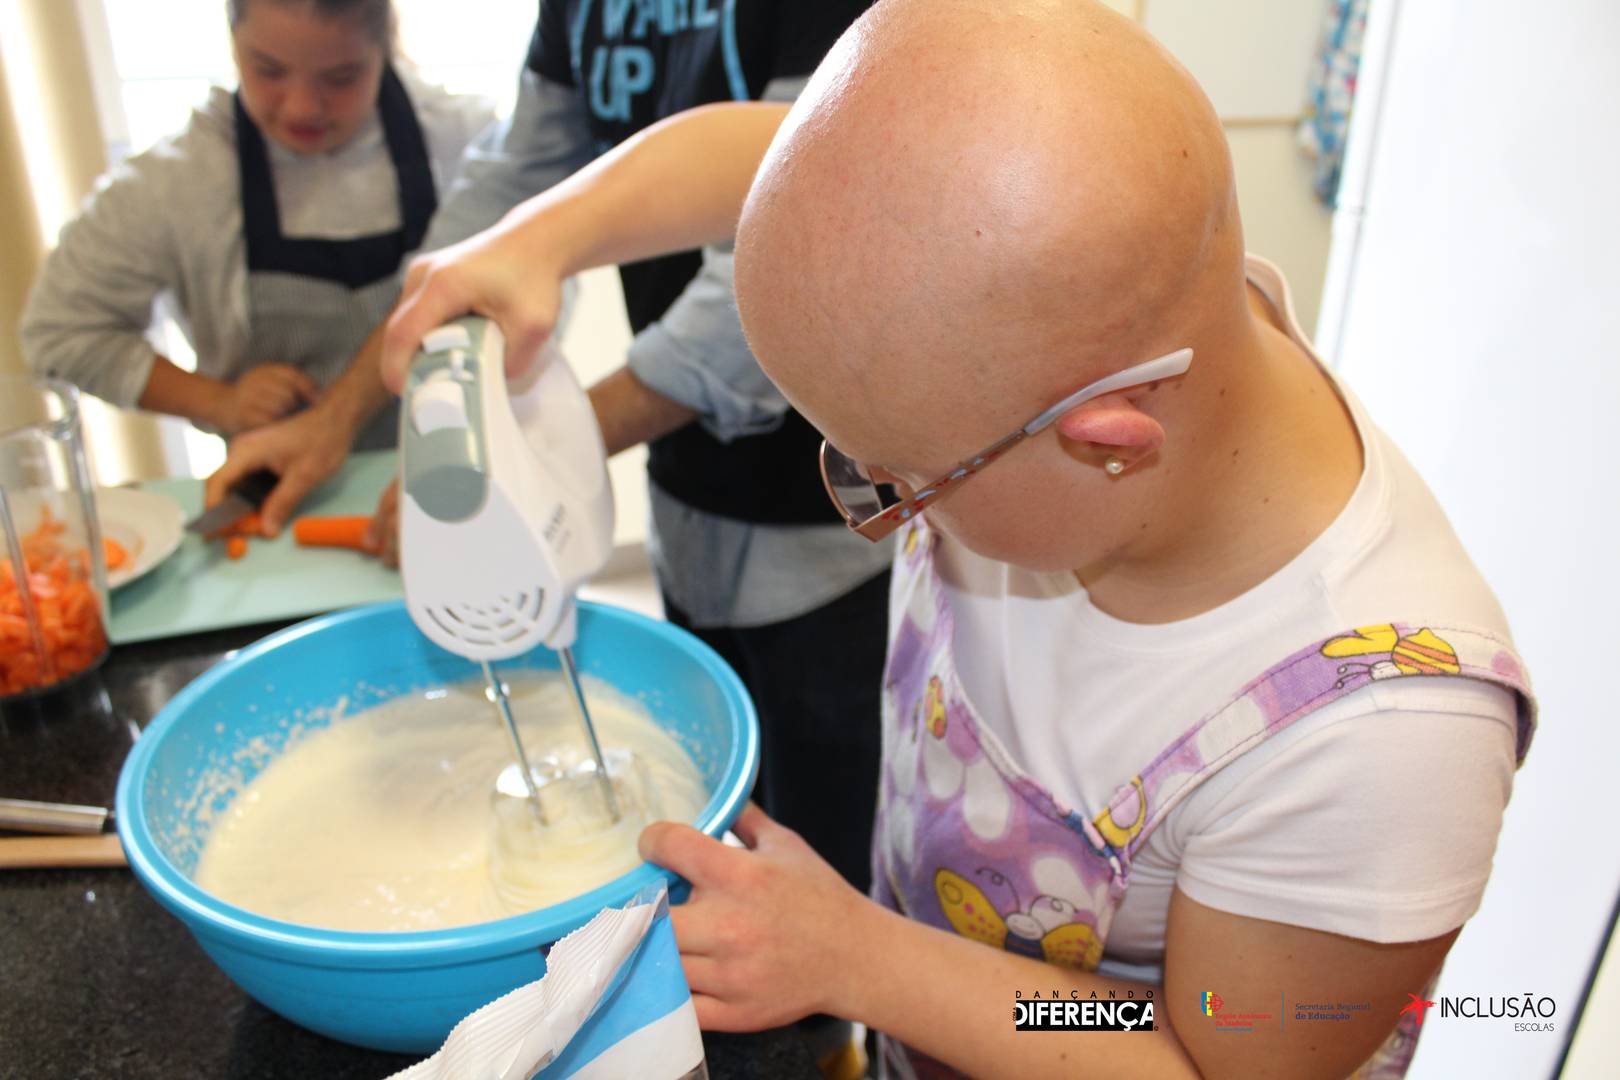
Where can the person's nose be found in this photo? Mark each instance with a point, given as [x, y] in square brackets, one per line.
[304, 102]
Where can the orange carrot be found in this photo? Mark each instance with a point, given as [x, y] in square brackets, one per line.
[345, 531]
[64, 603]
[114, 552]
[236, 534]
[246, 525]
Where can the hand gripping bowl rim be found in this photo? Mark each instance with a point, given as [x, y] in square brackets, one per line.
[206, 915]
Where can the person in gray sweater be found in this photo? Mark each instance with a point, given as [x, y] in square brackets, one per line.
[273, 226]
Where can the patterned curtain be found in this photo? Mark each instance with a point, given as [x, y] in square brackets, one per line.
[1331, 92]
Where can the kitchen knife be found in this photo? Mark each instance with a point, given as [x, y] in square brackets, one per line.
[25, 815]
[245, 496]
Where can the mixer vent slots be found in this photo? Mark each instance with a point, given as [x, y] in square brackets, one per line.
[506, 620]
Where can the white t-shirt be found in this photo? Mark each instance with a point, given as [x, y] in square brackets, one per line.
[1375, 817]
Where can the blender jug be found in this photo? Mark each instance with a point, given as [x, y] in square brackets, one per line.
[53, 578]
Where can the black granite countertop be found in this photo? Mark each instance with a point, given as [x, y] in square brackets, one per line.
[97, 981]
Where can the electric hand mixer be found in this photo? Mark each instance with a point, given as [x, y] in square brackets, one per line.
[505, 510]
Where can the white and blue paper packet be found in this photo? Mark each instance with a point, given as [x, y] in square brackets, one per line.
[612, 1003]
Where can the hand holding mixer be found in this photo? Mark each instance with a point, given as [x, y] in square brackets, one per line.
[505, 510]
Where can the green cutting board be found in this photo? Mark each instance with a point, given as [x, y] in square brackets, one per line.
[199, 588]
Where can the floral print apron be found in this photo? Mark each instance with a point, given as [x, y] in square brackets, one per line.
[966, 841]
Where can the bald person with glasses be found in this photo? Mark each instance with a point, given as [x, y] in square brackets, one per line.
[1177, 638]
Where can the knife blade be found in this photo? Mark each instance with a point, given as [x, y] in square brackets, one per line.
[25, 815]
[245, 496]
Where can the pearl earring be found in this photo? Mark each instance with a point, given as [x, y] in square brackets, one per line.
[1114, 466]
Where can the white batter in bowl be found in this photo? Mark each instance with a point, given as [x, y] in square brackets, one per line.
[390, 819]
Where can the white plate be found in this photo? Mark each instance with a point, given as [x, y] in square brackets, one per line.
[148, 525]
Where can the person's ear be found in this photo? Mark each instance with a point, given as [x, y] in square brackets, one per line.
[1112, 427]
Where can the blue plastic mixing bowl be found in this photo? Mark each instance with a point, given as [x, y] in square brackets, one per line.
[400, 992]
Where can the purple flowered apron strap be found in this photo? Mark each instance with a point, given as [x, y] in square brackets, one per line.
[1311, 678]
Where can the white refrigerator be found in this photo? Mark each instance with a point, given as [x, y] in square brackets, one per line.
[1473, 302]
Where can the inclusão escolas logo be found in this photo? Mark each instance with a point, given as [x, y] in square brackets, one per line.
[1530, 1012]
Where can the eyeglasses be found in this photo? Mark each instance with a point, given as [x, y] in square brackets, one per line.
[853, 492]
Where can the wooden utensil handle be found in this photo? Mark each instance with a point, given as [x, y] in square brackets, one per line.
[47, 851]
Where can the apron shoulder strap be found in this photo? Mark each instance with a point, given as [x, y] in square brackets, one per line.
[357, 262]
[1315, 676]
[413, 167]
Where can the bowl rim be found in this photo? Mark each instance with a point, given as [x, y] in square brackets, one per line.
[208, 916]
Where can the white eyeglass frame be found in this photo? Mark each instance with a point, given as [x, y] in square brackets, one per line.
[850, 486]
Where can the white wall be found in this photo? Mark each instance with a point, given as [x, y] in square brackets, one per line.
[1282, 218]
[1253, 57]
[1475, 307]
